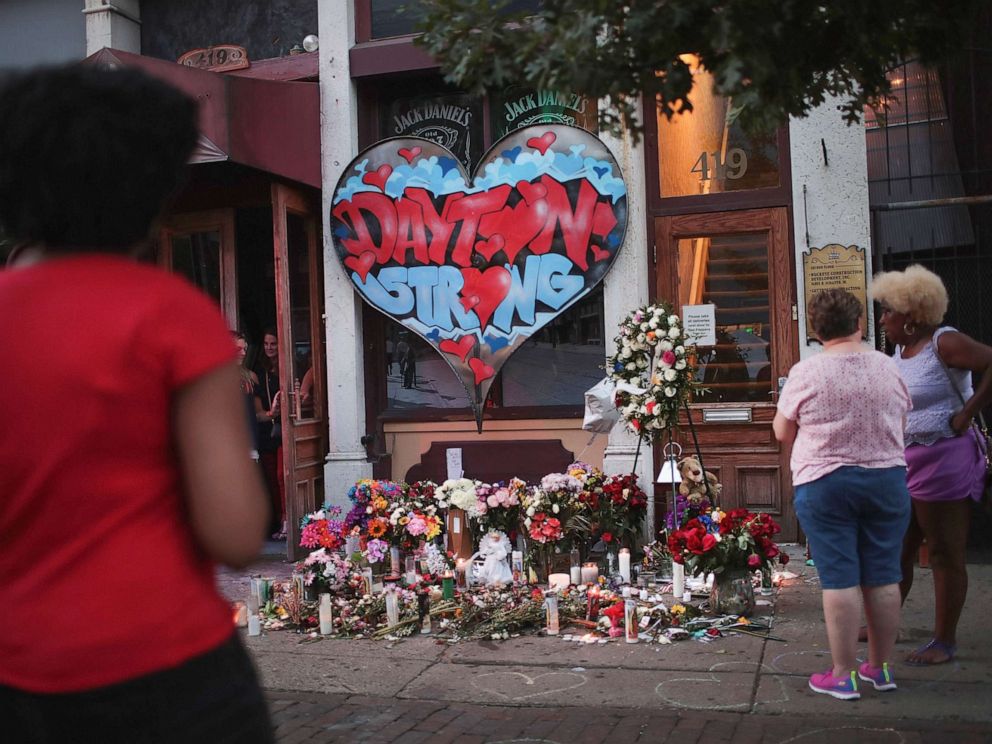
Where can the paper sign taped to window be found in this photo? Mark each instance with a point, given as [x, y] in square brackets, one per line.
[454, 458]
[699, 324]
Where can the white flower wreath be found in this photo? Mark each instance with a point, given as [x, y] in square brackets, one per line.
[651, 369]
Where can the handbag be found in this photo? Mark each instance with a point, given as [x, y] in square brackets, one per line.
[276, 431]
[981, 434]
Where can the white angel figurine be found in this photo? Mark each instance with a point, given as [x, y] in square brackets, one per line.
[495, 549]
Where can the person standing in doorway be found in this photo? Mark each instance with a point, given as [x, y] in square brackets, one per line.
[123, 475]
[268, 401]
[249, 381]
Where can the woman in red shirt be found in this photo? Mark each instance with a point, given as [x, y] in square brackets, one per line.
[123, 475]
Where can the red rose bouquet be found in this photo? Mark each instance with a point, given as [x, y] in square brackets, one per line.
[738, 540]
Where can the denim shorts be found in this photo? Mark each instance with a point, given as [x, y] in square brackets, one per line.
[855, 519]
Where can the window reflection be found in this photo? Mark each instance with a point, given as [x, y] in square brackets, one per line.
[731, 271]
[706, 151]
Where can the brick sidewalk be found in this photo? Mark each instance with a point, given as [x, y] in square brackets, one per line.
[315, 717]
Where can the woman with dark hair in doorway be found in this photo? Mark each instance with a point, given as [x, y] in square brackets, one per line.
[268, 399]
[122, 455]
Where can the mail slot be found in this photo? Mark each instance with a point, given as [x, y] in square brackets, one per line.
[727, 416]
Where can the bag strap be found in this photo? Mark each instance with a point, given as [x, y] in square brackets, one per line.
[982, 429]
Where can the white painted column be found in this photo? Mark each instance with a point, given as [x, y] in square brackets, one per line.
[346, 462]
[626, 288]
[113, 23]
[834, 206]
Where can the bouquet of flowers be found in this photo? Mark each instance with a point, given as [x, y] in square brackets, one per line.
[621, 509]
[413, 518]
[369, 517]
[717, 542]
[331, 572]
[653, 367]
[459, 493]
[500, 506]
[322, 529]
[551, 516]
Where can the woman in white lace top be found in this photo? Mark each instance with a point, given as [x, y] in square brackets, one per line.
[944, 457]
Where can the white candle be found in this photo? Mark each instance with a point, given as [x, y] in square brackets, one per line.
[575, 575]
[325, 614]
[630, 621]
[625, 565]
[254, 625]
[678, 579]
[686, 596]
[551, 606]
[461, 573]
[644, 595]
[590, 573]
[392, 605]
[558, 581]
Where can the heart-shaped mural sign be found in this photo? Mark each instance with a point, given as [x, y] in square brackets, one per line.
[476, 266]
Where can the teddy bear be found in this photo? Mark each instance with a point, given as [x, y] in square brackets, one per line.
[692, 486]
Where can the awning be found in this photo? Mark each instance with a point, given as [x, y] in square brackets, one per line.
[269, 125]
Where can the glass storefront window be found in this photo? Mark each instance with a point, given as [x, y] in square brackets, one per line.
[561, 361]
[706, 151]
[196, 256]
[731, 272]
[450, 119]
[298, 254]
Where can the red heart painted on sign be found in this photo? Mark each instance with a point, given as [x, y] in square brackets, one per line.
[518, 226]
[532, 192]
[378, 177]
[482, 370]
[459, 348]
[486, 290]
[409, 153]
[543, 142]
[599, 254]
[361, 264]
[489, 248]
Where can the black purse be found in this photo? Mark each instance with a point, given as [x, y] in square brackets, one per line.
[276, 432]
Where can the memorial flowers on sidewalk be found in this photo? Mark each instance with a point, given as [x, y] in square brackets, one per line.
[501, 506]
[550, 515]
[717, 542]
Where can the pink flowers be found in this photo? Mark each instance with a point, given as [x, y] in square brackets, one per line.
[417, 525]
[668, 358]
[502, 497]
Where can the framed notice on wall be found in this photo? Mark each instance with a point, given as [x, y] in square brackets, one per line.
[834, 266]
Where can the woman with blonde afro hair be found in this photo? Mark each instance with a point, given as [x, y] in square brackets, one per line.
[945, 457]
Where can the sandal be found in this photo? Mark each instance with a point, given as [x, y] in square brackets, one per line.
[932, 644]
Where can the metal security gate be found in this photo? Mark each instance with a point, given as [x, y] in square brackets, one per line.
[930, 192]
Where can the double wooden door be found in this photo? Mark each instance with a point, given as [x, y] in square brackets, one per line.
[739, 262]
[202, 246]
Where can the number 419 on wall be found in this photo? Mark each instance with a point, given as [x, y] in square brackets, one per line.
[709, 165]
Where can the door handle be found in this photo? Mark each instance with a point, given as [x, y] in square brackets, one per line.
[780, 384]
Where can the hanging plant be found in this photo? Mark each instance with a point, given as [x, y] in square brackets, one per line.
[651, 369]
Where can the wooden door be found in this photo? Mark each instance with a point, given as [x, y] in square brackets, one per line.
[299, 300]
[740, 262]
[200, 246]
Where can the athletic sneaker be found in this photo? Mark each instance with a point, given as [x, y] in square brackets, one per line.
[880, 678]
[842, 688]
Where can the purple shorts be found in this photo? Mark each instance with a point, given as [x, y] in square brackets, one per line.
[947, 470]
